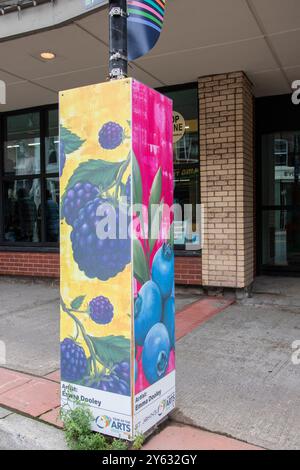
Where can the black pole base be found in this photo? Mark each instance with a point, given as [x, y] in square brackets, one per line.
[118, 53]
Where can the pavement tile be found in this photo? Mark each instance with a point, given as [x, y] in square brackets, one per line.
[53, 417]
[199, 312]
[55, 376]
[10, 379]
[186, 437]
[34, 398]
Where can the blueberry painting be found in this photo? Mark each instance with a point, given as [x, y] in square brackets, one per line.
[153, 252]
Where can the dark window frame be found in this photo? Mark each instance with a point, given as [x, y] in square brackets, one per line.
[42, 176]
[180, 250]
[272, 114]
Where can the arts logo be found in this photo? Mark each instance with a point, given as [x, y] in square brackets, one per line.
[114, 424]
[103, 422]
[162, 406]
[166, 404]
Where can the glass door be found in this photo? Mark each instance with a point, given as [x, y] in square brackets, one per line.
[280, 202]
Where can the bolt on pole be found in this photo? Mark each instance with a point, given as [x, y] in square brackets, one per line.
[118, 51]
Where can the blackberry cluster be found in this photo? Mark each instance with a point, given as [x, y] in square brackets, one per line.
[73, 361]
[101, 310]
[101, 258]
[76, 198]
[111, 135]
[118, 381]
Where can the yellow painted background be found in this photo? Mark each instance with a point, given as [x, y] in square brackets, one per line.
[84, 111]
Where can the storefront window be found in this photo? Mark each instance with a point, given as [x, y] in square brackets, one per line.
[29, 179]
[186, 163]
[22, 152]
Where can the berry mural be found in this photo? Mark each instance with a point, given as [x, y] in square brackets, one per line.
[117, 260]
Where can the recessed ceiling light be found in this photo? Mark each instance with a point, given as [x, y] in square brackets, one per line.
[47, 55]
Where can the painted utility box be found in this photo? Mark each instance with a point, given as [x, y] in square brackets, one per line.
[117, 261]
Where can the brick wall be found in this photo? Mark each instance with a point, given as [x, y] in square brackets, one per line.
[226, 168]
[187, 269]
[29, 264]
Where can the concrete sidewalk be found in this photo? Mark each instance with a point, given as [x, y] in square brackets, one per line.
[235, 373]
[29, 382]
[29, 323]
[235, 376]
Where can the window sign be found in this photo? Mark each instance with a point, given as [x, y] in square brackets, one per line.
[178, 126]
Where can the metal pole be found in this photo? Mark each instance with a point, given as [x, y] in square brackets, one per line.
[118, 58]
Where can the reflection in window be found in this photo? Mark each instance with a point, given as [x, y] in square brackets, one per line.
[30, 186]
[22, 199]
[186, 164]
[22, 146]
[281, 199]
[52, 210]
[281, 169]
[52, 143]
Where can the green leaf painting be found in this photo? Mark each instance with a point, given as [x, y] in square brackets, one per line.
[140, 263]
[154, 201]
[71, 141]
[97, 172]
[156, 219]
[76, 303]
[171, 235]
[111, 349]
[137, 182]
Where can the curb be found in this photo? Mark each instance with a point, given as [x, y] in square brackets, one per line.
[18, 432]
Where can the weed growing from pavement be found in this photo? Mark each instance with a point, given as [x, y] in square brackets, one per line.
[78, 434]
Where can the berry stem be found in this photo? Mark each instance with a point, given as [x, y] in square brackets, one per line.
[85, 337]
[120, 176]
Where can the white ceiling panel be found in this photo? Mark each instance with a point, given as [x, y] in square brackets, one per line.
[278, 15]
[74, 49]
[26, 95]
[269, 83]
[9, 79]
[286, 46]
[199, 38]
[191, 24]
[293, 73]
[253, 56]
[74, 79]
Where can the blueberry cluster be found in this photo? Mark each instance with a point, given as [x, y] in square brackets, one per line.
[117, 381]
[76, 198]
[101, 310]
[111, 135]
[99, 257]
[154, 313]
[73, 361]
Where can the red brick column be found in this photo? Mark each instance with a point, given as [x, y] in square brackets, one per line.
[188, 270]
[226, 167]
